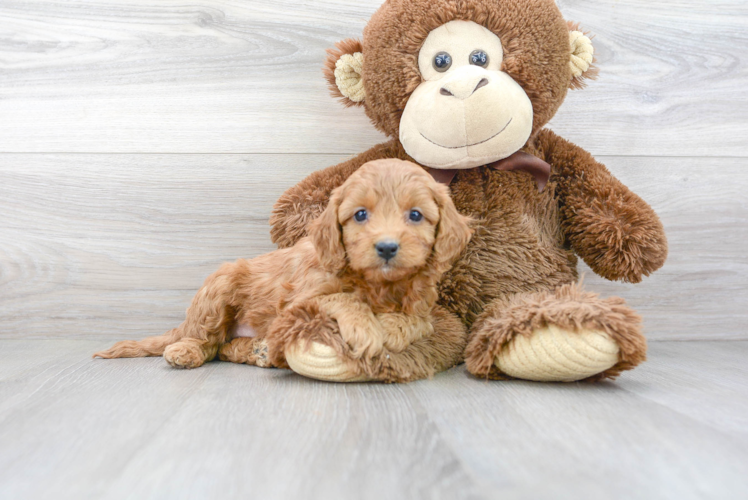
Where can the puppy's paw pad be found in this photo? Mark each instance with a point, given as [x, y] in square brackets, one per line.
[553, 354]
[260, 354]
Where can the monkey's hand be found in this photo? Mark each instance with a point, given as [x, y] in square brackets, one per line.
[616, 232]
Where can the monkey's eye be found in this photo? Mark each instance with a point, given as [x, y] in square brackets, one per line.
[415, 216]
[479, 58]
[442, 62]
[361, 216]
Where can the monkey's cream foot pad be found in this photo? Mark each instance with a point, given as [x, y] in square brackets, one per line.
[321, 362]
[553, 354]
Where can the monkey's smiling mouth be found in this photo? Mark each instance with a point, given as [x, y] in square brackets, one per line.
[467, 145]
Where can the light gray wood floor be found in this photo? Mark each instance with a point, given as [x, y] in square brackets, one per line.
[75, 428]
[144, 142]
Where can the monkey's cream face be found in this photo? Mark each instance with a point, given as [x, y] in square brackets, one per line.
[466, 112]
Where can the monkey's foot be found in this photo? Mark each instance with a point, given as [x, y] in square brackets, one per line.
[321, 362]
[552, 354]
[563, 335]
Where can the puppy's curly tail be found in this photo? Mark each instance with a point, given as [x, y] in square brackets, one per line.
[151, 346]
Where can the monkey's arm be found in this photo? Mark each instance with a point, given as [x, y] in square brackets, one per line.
[616, 232]
[303, 203]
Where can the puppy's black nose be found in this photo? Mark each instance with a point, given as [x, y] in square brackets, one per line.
[387, 249]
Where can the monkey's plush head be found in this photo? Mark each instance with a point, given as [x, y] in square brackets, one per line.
[461, 83]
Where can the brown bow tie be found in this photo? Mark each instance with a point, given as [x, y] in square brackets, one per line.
[524, 162]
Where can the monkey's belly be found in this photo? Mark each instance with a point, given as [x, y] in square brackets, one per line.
[516, 246]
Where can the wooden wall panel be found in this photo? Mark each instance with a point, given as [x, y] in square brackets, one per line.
[215, 76]
[96, 246]
[143, 143]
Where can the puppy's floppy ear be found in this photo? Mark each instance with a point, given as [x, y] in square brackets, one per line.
[327, 235]
[343, 70]
[453, 231]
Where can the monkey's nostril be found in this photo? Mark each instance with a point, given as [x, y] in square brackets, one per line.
[444, 91]
[387, 249]
[482, 83]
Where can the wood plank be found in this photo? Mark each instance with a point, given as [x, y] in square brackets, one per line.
[136, 428]
[140, 429]
[666, 87]
[115, 246]
[244, 77]
[707, 382]
[623, 439]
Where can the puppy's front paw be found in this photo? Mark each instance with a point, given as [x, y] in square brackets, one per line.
[357, 324]
[365, 339]
[401, 330]
[184, 355]
[364, 343]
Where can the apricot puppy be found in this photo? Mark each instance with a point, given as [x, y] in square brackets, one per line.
[370, 262]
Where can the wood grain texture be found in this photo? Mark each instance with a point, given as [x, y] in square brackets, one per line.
[215, 76]
[108, 245]
[72, 427]
[702, 290]
[115, 246]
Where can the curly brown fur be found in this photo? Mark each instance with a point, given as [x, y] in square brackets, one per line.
[616, 232]
[421, 359]
[525, 242]
[152, 346]
[337, 270]
[247, 350]
[517, 244]
[569, 308]
[301, 325]
[297, 207]
[428, 355]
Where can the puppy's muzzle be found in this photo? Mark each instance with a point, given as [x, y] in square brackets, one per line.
[387, 249]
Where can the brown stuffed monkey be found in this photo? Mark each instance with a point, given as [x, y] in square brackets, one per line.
[464, 89]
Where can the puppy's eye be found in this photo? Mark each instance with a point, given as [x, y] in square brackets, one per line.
[361, 216]
[479, 58]
[415, 216]
[442, 62]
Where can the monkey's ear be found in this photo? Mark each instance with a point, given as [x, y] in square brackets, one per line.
[343, 71]
[582, 60]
